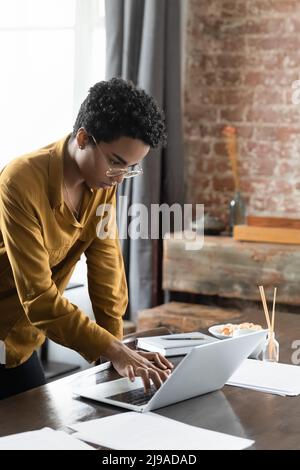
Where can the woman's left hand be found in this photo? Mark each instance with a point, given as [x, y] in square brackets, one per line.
[157, 359]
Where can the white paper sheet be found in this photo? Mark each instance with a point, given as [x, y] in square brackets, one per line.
[43, 439]
[268, 377]
[151, 431]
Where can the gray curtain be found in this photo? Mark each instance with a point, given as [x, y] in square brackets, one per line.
[143, 45]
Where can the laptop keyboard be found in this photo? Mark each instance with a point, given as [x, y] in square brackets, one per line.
[135, 397]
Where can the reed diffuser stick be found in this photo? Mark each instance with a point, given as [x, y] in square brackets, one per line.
[263, 298]
[273, 310]
[271, 345]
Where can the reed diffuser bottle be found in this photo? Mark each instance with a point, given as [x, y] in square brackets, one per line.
[237, 205]
[270, 350]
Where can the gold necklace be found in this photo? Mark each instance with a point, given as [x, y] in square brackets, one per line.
[69, 199]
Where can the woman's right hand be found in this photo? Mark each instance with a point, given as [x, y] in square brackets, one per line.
[149, 366]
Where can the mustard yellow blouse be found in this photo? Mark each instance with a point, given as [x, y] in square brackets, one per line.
[40, 243]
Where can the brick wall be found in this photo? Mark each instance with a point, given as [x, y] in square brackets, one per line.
[241, 58]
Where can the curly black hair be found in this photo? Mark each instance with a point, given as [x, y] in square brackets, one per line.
[117, 108]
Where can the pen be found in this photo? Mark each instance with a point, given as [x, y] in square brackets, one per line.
[194, 338]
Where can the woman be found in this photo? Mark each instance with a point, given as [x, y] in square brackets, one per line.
[49, 216]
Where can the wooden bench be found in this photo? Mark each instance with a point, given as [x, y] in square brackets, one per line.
[183, 317]
[232, 269]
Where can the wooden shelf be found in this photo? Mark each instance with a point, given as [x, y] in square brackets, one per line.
[282, 222]
[251, 233]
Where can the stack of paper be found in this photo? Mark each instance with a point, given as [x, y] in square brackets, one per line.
[269, 377]
[174, 345]
[147, 431]
[43, 439]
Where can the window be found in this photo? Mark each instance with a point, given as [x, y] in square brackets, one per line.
[52, 51]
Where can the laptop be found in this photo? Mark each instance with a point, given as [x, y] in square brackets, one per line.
[204, 369]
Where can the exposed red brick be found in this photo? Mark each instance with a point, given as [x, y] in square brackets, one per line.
[279, 134]
[285, 169]
[235, 114]
[205, 167]
[262, 167]
[271, 78]
[270, 97]
[223, 183]
[294, 24]
[287, 133]
[253, 78]
[267, 7]
[273, 115]
[245, 131]
[274, 43]
[207, 113]
[233, 9]
[273, 60]
[230, 61]
[222, 166]
[257, 26]
[242, 57]
[260, 150]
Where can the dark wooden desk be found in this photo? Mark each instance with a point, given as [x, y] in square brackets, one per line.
[272, 421]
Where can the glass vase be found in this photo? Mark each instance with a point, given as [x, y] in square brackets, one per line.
[270, 350]
[237, 211]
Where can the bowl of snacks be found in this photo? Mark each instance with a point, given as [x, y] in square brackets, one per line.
[230, 330]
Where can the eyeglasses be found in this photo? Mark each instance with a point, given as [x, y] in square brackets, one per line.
[128, 172]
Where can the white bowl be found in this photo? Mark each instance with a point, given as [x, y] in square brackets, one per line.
[215, 331]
